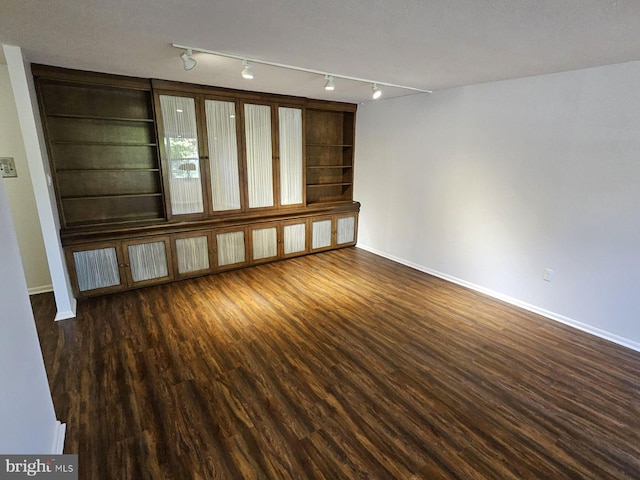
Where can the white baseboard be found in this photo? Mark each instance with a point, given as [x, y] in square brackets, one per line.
[40, 289]
[66, 314]
[57, 447]
[612, 337]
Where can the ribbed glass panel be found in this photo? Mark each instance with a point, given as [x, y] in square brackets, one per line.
[321, 234]
[257, 119]
[294, 238]
[97, 268]
[193, 254]
[181, 148]
[148, 261]
[290, 120]
[223, 155]
[230, 248]
[265, 243]
[346, 230]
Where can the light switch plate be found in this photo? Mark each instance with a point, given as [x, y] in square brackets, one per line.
[8, 167]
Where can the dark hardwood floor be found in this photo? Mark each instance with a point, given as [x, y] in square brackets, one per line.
[341, 365]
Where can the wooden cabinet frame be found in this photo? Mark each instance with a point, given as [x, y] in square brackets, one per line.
[73, 268]
[307, 241]
[111, 175]
[210, 253]
[127, 261]
[251, 246]
[217, 248]
[122, 240]
[334, 231]
[124, 264]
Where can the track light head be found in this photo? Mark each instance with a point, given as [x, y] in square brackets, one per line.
[189, 62]
[247, 70]
[330, 86]
[376, 93]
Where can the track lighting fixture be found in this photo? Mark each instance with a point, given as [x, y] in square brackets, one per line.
[329, 85]
[376, 93]
[247, 70]
[189, 62]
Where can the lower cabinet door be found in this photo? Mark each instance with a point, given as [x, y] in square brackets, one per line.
[97, 269]
[294, 238]
[346, 228]
[321, 233]
[264, 243]
[231, 249]
[193, 254]
[148, 261]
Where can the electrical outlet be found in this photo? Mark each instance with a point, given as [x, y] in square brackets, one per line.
[8, 167]
[548, 274]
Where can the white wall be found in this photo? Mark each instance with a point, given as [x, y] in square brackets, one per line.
[20, 193]
[490, 184]
[24, 95]
[27, 419]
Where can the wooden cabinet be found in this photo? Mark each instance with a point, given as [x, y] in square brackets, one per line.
[193, 254]
[259, 156]
[147, 261]
[102, 147]
[291, 155]
[236, 178]
[231, 248]
[126, 262]
[200, 153]
[265, 242]
[329, 148]
[346, 228]
[333, 231]
[295, 238]
[223, 160]
[111, 266]
[226, 155]
[96, 268]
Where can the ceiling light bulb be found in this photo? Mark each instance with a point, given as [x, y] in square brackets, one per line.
[376, 93]
[247, 70]
[329, 85]
[189, 62]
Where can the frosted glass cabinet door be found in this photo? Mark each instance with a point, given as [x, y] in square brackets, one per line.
[265, 243]
[182, 154]
[295, 238]
[97, 269]
[290, 125]
[321, 234]
[231, 248]
[346, 230]
[223, 155]
[148, 262]
[257, 124]
[192, 254]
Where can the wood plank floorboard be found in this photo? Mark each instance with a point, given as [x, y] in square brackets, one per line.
[341, 365]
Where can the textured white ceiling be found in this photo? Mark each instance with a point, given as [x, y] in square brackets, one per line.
[431, 44]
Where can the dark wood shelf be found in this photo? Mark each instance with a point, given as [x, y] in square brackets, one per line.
[320, 185]
[114, 221]
[324, 167]
[124, 195]
[124, 170]
[99, 118]
[332, 145]
[328, 203]
[108, 144]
